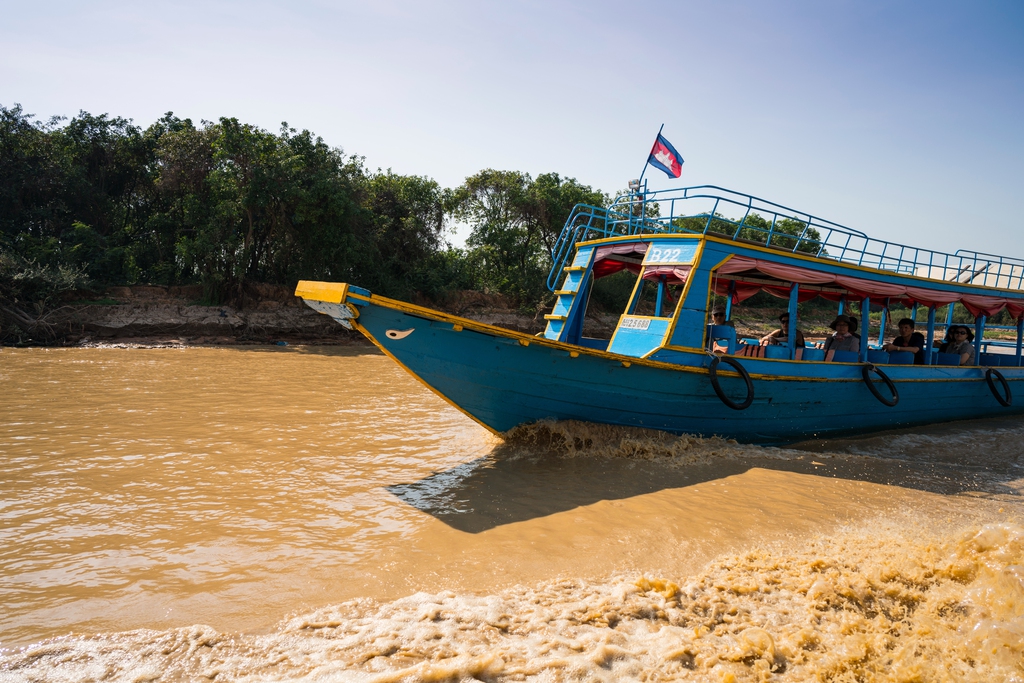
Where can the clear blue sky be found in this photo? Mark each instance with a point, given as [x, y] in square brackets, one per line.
[901, 119]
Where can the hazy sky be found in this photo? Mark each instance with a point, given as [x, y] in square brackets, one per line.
[900, 119]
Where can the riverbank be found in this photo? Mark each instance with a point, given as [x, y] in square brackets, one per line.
[147, 315]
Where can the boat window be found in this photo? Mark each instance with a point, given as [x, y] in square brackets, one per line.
[610, 297]
[647, 299]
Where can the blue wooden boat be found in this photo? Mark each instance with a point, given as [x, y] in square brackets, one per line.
[667, 367]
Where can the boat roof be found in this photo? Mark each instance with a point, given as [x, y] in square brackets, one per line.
[712, 211]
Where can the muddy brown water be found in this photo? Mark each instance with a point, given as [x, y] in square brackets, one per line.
[317, 514]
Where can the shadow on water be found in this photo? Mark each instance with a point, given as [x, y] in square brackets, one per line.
[496, 490]
[537, 476]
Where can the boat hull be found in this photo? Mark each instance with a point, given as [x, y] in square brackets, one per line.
[503, 379]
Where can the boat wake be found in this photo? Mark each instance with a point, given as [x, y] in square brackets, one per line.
[886, 601]
[573, 439]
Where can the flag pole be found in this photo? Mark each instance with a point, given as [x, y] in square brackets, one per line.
[647, 163]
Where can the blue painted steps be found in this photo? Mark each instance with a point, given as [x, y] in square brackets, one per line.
[567, 304]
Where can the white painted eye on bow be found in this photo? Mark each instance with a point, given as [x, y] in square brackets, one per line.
[399, 334]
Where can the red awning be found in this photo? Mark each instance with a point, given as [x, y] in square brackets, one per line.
[745, 290]
[860, 288]
[674, 275]
[627, 248]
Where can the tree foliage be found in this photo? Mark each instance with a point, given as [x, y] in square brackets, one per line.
[515, 222]
[101, 200]
[220, 204]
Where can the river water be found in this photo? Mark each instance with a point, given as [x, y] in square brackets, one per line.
[255, 514]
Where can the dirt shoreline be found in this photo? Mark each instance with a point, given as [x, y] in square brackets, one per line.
[156, 316]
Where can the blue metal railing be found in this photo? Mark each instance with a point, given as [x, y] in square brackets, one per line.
[585, 223]
[702, 210]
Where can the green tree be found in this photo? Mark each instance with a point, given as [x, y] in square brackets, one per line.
[27, 179]
[504, 242]
[515, 222]
[553, 199]
[407, 219]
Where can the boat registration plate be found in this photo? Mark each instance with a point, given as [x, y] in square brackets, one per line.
[635, 323]
[670, 254]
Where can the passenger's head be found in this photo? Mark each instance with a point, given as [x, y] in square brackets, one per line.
[906, 326]
[784, 319]
[841, 325]
[962, 332]
[718, 314]
[844, 324]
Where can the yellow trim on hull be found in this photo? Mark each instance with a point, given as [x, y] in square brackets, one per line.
[466, 323]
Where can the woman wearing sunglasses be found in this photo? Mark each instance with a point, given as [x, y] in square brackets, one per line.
[960, 344]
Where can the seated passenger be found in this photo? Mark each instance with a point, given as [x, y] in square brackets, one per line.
[843, 338]
[718, 316]
[908, 341]
[961, 344]
[781, 335]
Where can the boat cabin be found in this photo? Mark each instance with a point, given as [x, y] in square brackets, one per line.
[683, 260]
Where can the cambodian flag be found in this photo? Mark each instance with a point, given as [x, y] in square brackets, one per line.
[665, 157]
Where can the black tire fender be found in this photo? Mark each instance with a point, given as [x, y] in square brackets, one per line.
[713, 375]
[866, 371]
[1005, 402]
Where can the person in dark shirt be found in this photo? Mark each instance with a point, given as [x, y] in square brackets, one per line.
[908, 341]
